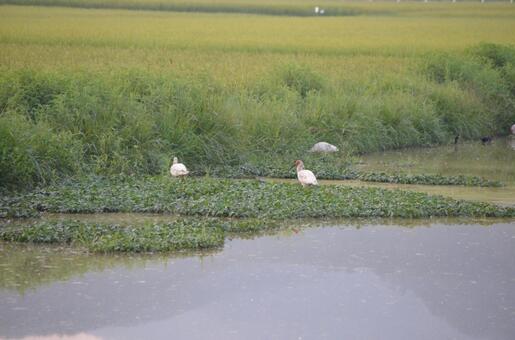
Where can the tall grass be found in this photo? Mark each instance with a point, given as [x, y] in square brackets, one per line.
[59, 123]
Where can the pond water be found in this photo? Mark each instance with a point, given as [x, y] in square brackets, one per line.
[433, 279]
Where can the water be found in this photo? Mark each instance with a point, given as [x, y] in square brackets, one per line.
[494, 161]
[447, 279]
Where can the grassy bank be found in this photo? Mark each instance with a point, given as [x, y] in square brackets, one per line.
[237, 198]
[59, 124]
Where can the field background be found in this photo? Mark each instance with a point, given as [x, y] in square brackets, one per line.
[240, 47]
[109, 87]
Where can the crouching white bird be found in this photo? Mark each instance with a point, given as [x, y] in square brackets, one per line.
[178, 169]
[306, 177]
[323, 147]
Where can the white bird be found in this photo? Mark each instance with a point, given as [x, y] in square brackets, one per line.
[513, 129]
[323, 147]
[178, 169]
[306, 177]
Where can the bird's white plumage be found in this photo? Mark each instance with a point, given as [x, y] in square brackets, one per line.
[306, 177]
[178, 169]
[323, 147]
[513, 129]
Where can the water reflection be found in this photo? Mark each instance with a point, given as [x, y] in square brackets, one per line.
[25, 267]
[388, 282]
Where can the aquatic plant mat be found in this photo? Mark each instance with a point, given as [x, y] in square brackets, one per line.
[253, 206]
[335, 169]
[235, 198]
[181, 234]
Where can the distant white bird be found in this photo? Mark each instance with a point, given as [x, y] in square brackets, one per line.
[316, 9]
[513, 129]
[178, 169]
[323, 147]
[322, 11]
[306, 177]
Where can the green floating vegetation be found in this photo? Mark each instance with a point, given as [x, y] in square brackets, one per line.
[97, 237]
[182, 234]
[237, 198]
[428, 179]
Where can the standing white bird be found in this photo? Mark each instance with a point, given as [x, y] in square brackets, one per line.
[513, 129]
[306, 177]
[178, 169]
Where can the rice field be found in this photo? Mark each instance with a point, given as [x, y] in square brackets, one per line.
[241, 47]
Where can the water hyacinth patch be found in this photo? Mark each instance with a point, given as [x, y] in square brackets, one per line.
[428, 179]
[98, 237]
[237, 198]
[182, 234]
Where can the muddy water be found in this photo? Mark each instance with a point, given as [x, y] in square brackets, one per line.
[427, 280]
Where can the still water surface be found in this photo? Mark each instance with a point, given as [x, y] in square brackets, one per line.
[431, 280]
